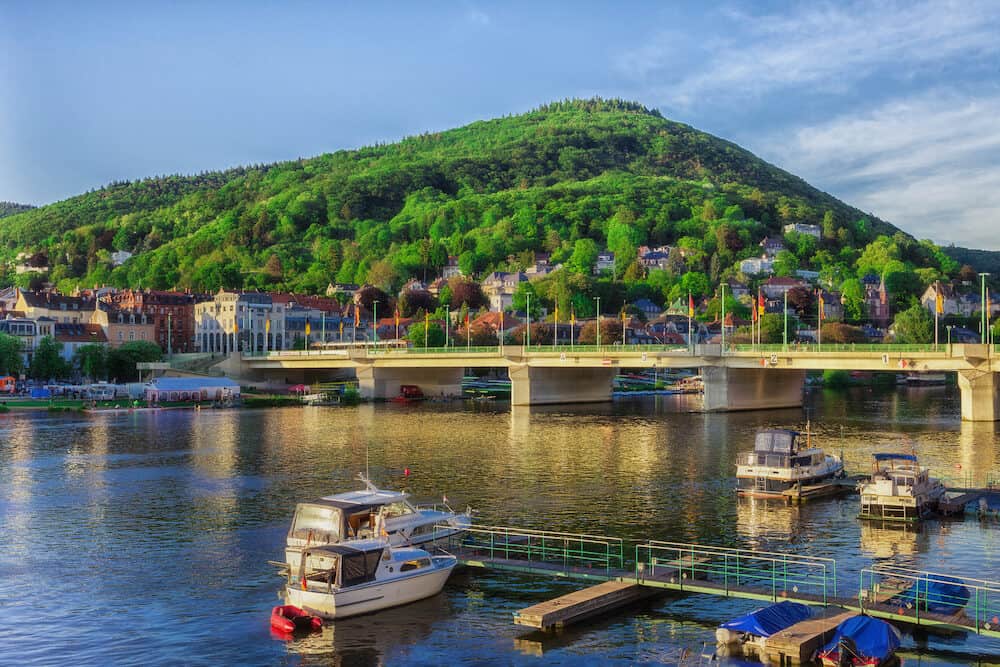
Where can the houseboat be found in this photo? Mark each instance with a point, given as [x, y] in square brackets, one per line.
[365, 514]
[899, 489]
[781, 460]
[363, 576]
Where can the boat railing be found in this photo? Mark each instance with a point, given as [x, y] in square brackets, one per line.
[539, 549]
[776, 574]
[768, 460]
[929, 597]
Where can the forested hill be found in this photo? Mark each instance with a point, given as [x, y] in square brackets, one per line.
[10, 208]
[492, 193]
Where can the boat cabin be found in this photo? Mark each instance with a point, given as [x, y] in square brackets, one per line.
[782, 448]
[891, 472]
[329, 520]
[330, 566]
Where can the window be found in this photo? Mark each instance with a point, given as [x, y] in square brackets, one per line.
[121, 336]
[131, 334]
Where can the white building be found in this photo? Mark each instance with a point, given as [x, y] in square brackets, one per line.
[800, 228]
[120, 257]
[756, 266]
[239, 321]
[499, 288]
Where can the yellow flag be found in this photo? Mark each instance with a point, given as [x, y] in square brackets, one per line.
[939, 302]
[308, 328]
[822, 308]
[341, 328]
[623, 315]
[572, 317]
[557, 314]
[236, 327]
[267, 326]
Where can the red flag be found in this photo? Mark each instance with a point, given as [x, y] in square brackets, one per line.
[690, 305]
[753, 314]
[760, 303]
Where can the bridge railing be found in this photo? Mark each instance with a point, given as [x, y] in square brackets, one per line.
[541, 547]
[930, 597]
[881, 348]
[780, 575]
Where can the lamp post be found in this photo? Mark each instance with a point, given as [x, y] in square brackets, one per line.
[723, 286]
[948, 327]
[527, 328]
[784, 335]
[982, 315]
[598, 299]
[375, 321]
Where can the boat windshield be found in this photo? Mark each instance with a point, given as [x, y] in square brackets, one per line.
[321, 520]
[397, 509]
[775, 442]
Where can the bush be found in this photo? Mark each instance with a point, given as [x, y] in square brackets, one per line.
[836, 379]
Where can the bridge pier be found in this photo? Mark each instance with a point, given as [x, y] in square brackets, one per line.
[751, 388]
[979, 395]
[384, 382]
[540, 385]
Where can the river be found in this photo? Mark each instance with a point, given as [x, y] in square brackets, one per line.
[143, 538]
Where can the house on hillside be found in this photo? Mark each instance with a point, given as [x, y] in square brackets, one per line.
[499, 288]
[648, 308]
[757, 266]
[802, 228]
[775, 288]
[876, 300]
[605, 262]
[451, 269]
[771, 246]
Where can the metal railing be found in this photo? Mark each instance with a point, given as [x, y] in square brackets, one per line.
[930, 597]
[542, 547]
[779, 575]
[881, 348]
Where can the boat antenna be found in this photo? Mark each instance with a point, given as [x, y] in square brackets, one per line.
[367, 475]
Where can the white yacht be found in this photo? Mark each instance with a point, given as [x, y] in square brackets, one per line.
[363, 576]
[367, 513]
[899, 489]
[780, 461]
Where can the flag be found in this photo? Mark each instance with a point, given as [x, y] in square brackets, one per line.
[466, 319]
[938, 301]
[690, 305]
[556, 316]
[624, 316]
[572, 318]
[760, 303]
[753, 314]
[822, 308]
[236, 327]
[341, 328]
[397, 317]
[427, 320]
[308, 327]
[501, 320]
[267, 326]
[357, 316]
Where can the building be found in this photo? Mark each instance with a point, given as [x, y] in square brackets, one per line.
[771, 246]
[801, 228]
[605, 262]
[737, 289]
[757, 266]
[499, 288]
[876, 300]
[239, 321]
[123, 326]
[119, 257]
[58, 307]
[451, 269]
[170, 313]
[654, 259]
[648, 308]
[950, 299]
[775, 288]
[74, 336]
[26, 331]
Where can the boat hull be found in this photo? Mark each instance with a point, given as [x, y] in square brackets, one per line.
[374, 596]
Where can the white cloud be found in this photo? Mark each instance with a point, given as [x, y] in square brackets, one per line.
[928, 164]
[824, 47]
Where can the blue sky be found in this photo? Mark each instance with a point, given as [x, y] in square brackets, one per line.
[892, 107]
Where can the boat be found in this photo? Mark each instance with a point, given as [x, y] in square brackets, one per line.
[363, 576]
[935, 593]
[899, 489]
[746, 635]
[409, 393]
[356, 514]
[288, 618]
[781, 461]
[861, 640]
[925, 379]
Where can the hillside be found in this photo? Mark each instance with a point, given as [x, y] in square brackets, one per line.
[491, 193]
[10, 208]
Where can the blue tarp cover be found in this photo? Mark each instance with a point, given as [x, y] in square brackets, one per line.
[765, 622]
[873, 638]
[941, 595]
[890, 456]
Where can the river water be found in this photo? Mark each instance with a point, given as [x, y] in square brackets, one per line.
[142, 539]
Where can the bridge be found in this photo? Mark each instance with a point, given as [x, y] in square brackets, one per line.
[898, 594]
[741, 377]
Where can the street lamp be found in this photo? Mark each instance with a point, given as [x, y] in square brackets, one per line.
[598, 299]
[723, 286]
[948, 327]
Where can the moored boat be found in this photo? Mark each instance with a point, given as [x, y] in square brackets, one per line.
[364, 576]
[367, 513]
[861, 641]
[745, 635]
[899, 489]
[781, 461]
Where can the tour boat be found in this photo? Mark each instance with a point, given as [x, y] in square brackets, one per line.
[746, 635]
[363, 576]
[780, 461]
[289, 618]
[355, 514]
[865, 641]
[409, 393]
[899, 489]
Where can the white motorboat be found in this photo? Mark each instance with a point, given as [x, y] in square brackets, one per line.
[780, 461]
[369, 513]
[363, 576]
[899, 489]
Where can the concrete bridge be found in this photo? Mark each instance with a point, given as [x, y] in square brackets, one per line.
[737, 378]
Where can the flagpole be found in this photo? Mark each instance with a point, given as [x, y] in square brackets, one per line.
[555, 326]
[322, 324]
[723, 286]
[527, 328]
[784, 335]
[819, 320]
[937, 300]
[690, 308]
[468, 333]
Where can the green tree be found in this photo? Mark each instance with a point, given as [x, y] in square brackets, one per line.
[435, 335]
[11, 355]
[786, 263]
[520, 299]
[123, 359]
[47, 362]
[92, 361]
[914, 325]
[853, 294]
[584, 256]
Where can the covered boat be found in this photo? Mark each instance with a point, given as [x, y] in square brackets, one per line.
[861, 640]
[287, 619]
[782, 459]
[938, 594]
[363, 576]
[899, 489]
[365, 514]
[746, 634]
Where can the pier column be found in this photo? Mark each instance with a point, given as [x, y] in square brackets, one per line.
[979, 395]
[545, 386]
[384, 382]
[751, 389]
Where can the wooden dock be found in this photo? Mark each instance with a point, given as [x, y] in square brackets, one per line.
[797, 644]
[798, 494]
[582, 604]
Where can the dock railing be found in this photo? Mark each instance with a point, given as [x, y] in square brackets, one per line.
[930, 598]
[543, 548]
[779, 575]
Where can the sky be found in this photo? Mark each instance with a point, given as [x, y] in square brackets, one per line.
[892, 107]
